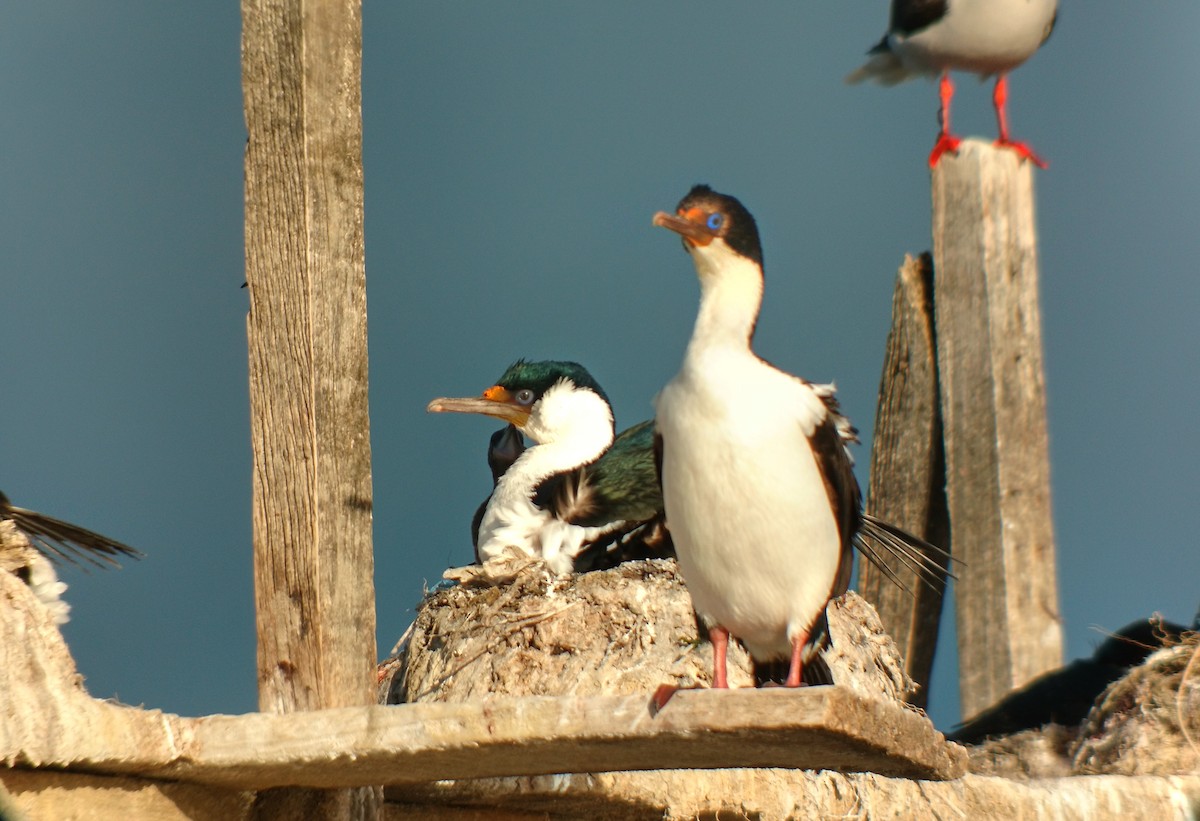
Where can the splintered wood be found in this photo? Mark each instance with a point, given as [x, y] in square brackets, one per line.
[908, 472]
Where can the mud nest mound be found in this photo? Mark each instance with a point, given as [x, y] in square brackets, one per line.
[1147, 722]
[622, 631]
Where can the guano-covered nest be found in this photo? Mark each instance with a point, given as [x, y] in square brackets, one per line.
[622, 631]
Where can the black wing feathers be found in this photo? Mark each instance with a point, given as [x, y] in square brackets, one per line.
[57, 539]
[842, 489]
[910, 16]
[621, 485]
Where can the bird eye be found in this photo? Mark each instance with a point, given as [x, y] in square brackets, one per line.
[715, 221]
[524, 396]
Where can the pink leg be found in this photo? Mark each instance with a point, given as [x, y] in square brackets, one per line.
[719, 637]
[945, 141]
[1000, 101]
[797, 665]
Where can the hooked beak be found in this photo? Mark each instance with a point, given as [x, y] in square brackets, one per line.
[689, 225]
[496, 402]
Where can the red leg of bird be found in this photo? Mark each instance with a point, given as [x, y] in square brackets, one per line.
[945, 141]
[1000, 101]
[797, 665]
[719, 637]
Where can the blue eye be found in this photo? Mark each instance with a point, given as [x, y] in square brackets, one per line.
[715, 221]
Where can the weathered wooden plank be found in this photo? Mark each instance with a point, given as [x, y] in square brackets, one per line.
[736, 793]
[994, 412]
[313, 565]
[64, 796]
[817, 727]
[52, 721]
[308, 354]
[907, 485]
[778, 793]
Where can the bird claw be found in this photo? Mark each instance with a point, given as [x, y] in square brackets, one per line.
[664, 693]
[1023, 151]
[945, 143]
[660, 698]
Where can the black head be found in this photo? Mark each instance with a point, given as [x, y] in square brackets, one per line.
[704, 215]
[539, 377]
[518, 390]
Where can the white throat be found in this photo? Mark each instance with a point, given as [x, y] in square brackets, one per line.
[731, 288]
[572, 427]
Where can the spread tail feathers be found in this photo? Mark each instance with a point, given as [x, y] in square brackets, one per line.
[882, 66]
[928, 562]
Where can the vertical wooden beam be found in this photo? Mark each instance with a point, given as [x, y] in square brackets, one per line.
[994, 412]
[907, 486]
[313, 564]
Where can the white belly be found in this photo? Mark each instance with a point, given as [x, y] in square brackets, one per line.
[513, 527]
[983, 36]
[747, 508]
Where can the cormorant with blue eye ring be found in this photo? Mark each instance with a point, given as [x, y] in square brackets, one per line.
[758, 487]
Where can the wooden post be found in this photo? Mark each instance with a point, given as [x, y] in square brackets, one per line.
[907, 486]
[313, 565]
[994, 411]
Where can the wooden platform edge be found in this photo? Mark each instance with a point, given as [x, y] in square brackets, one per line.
[813, 728]
[52, 721]
[771, 793]
[766, 793]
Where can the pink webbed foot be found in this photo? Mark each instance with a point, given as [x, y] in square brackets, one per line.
[719, 637]
[661, 696]
[1023, 151]
[1000, 101]
[945, 143]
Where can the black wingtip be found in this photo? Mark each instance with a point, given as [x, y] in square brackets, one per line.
[59, 540]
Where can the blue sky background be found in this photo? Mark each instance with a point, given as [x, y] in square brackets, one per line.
[514, 155]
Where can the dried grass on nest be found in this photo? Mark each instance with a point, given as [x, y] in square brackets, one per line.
[1147, 722]
[623, 631]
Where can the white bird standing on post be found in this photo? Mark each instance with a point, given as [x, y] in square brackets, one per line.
[987, 37]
